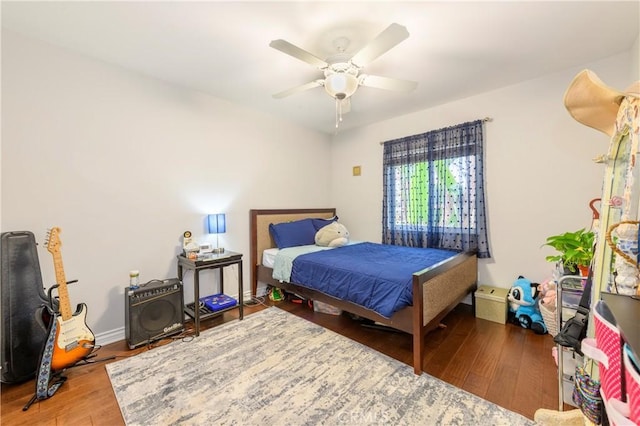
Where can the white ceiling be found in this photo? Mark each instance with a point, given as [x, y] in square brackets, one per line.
[455, 49]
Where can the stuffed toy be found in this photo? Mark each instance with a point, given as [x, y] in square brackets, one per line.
[332, 235]
[522, 302]
[547, 294]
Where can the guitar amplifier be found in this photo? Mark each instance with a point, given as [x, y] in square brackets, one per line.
[153, 311]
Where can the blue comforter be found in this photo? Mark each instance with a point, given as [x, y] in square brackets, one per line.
[376, 276]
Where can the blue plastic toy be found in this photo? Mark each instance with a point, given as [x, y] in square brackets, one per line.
[522, 302]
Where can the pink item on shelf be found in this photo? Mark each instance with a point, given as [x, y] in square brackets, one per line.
[610, 342]
[606, 348]
[632, 382]
[627, 413]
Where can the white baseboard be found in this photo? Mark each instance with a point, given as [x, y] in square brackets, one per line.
[118, 334]
[110, 336]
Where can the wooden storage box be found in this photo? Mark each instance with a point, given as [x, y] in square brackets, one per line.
[491, 303]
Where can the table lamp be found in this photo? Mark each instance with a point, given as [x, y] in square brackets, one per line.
[217, 225]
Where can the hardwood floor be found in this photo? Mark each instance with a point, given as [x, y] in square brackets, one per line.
[504, 364]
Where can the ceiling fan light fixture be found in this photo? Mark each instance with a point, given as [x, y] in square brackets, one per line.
[340, 85]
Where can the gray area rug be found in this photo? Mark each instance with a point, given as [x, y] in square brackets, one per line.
[274, 368]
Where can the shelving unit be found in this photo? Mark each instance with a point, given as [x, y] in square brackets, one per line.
[213, 261]
[569, 292]
[620, 201]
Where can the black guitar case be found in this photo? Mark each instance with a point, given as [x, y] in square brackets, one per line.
[23, 329]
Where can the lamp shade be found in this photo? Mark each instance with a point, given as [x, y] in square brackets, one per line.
[217, 223]
[340, 85]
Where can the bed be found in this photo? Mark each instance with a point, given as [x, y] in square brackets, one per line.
[435, 290]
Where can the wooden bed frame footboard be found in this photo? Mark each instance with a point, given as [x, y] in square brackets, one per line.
[436, 290]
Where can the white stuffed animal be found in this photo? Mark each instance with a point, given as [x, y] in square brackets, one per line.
[332, 235]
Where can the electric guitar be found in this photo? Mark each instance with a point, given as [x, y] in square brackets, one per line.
[73, 340]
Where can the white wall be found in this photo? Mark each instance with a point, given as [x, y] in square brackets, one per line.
[124, 164]
[538, 163]
[635, 60]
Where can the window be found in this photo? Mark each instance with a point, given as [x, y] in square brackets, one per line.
[433, 190]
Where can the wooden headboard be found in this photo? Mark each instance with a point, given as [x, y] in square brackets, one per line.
[261, 238]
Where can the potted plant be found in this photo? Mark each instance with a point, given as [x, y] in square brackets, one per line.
[575, 250]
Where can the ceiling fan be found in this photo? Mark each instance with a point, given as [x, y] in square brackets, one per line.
[341, 71]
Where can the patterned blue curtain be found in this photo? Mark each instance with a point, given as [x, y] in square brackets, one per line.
[434, 190]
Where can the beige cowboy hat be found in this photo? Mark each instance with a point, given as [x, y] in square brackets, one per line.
[595, 104]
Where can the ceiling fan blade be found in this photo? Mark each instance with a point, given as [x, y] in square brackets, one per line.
[306, 86]
[296, 52]
[387, 39]
[387, 83]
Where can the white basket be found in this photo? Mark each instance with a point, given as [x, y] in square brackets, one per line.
[549, 318]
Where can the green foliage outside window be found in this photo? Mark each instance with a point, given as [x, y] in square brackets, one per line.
[418, 187]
